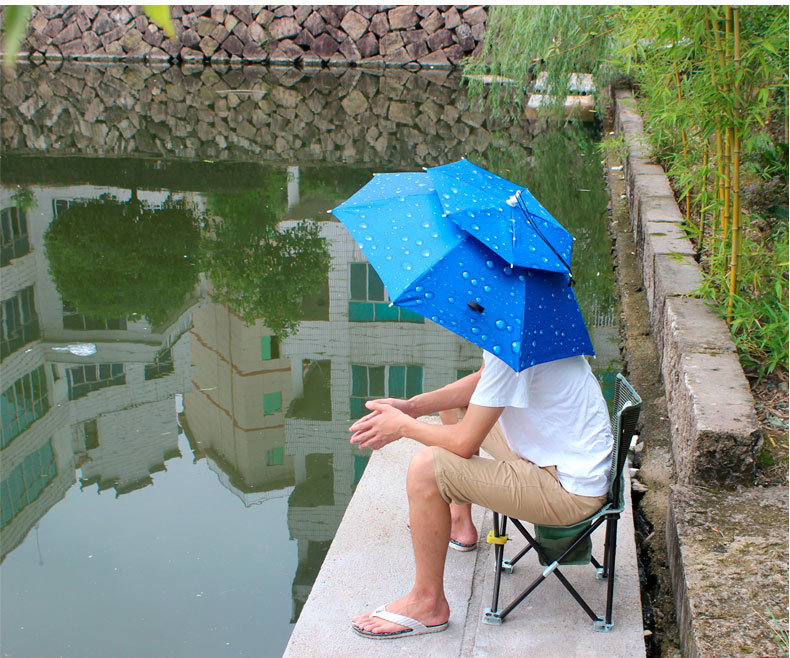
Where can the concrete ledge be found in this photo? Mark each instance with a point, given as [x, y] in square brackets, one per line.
[370, 563]
[715, 433]
[728, 555]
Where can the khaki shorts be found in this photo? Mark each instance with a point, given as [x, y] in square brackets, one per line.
[510, 484]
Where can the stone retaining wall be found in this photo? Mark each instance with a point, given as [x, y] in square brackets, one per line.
[715, 432]
[726, 545]
[313, 35]
[389, 117]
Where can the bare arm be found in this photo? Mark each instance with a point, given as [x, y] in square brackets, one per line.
[455, 395]
[388, 424]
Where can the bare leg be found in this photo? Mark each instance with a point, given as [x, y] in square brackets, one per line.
[430, 532]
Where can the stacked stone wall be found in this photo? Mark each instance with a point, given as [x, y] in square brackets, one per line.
[391, 117]
[310, 35]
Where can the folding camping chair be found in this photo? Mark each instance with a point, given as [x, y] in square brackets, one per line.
[572, 544]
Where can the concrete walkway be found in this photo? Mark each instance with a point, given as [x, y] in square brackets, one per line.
[370, 563]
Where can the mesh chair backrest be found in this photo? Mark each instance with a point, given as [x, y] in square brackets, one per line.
[625, 415]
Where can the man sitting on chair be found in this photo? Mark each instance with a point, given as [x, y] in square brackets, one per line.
[547, 429]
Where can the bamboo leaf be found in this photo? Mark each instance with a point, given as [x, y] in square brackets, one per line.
[160, 14]
[14, 27]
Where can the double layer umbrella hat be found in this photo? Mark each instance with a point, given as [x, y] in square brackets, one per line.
[476, 254]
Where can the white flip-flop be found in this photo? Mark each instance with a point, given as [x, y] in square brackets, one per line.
[413, 627]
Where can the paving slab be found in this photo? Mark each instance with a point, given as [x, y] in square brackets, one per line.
[370, 562]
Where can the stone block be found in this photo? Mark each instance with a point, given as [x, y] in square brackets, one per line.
[83, 21]
[233, 45]
[255, 53]
[368, 45]
[219, 33]
[121, 15]
[354, 24]
[402, 17]
[284, 28]
[256, 33]
[325, 46]
[417, 50]
[240, 31]
[315, 24]
[454, 53]
[367, 10]
[475, 15]
[243, 13]
[390, 43]
[713, 538]
[328, 14]
[715, 434]
[463, 35]
[452, 18]
[440, 39]
[69, 33]
[379, 24]
[301, 12]
[350, 51]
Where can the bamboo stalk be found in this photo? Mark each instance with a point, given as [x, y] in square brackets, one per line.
[735, 259]
[724, 150]
[719, 180]
[685, 150]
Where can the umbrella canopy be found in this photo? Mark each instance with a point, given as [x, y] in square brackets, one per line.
[502, 215]
[431, 266]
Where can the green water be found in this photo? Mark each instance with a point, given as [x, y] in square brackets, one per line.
[187, 334]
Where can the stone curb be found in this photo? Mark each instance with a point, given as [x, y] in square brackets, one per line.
[715, 432]
[714, 536]
[728, 551]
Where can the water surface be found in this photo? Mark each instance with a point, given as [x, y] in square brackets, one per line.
[187, 334]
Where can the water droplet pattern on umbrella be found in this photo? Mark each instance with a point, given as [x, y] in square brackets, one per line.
[433, 267]
[476, 201]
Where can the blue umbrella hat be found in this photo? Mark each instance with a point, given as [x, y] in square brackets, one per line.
[432, 266]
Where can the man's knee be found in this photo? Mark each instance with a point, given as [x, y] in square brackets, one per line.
[421, 474]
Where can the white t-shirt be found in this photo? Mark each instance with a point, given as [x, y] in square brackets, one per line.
[554, 415]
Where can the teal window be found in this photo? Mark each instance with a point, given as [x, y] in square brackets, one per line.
[88, 378]
[22, 403]
[272, 403]
[463, 372]
[368, 382]
[26, 482]
[270, 348]
[18, 322]
[274, 457]
[369, 301]
[14, 241]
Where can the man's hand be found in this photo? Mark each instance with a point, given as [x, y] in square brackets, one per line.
[380, 427]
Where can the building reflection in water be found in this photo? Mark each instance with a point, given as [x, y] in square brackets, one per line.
[269, 416]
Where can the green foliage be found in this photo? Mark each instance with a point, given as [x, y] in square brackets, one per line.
[15, 18]
[524, 40]
[112, 259]
[759, 323]
[160, 14]
[686, 91]
[259, 267]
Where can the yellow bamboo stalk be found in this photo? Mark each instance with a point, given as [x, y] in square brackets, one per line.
[735, 256]
[724, 149]
[685, 149]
